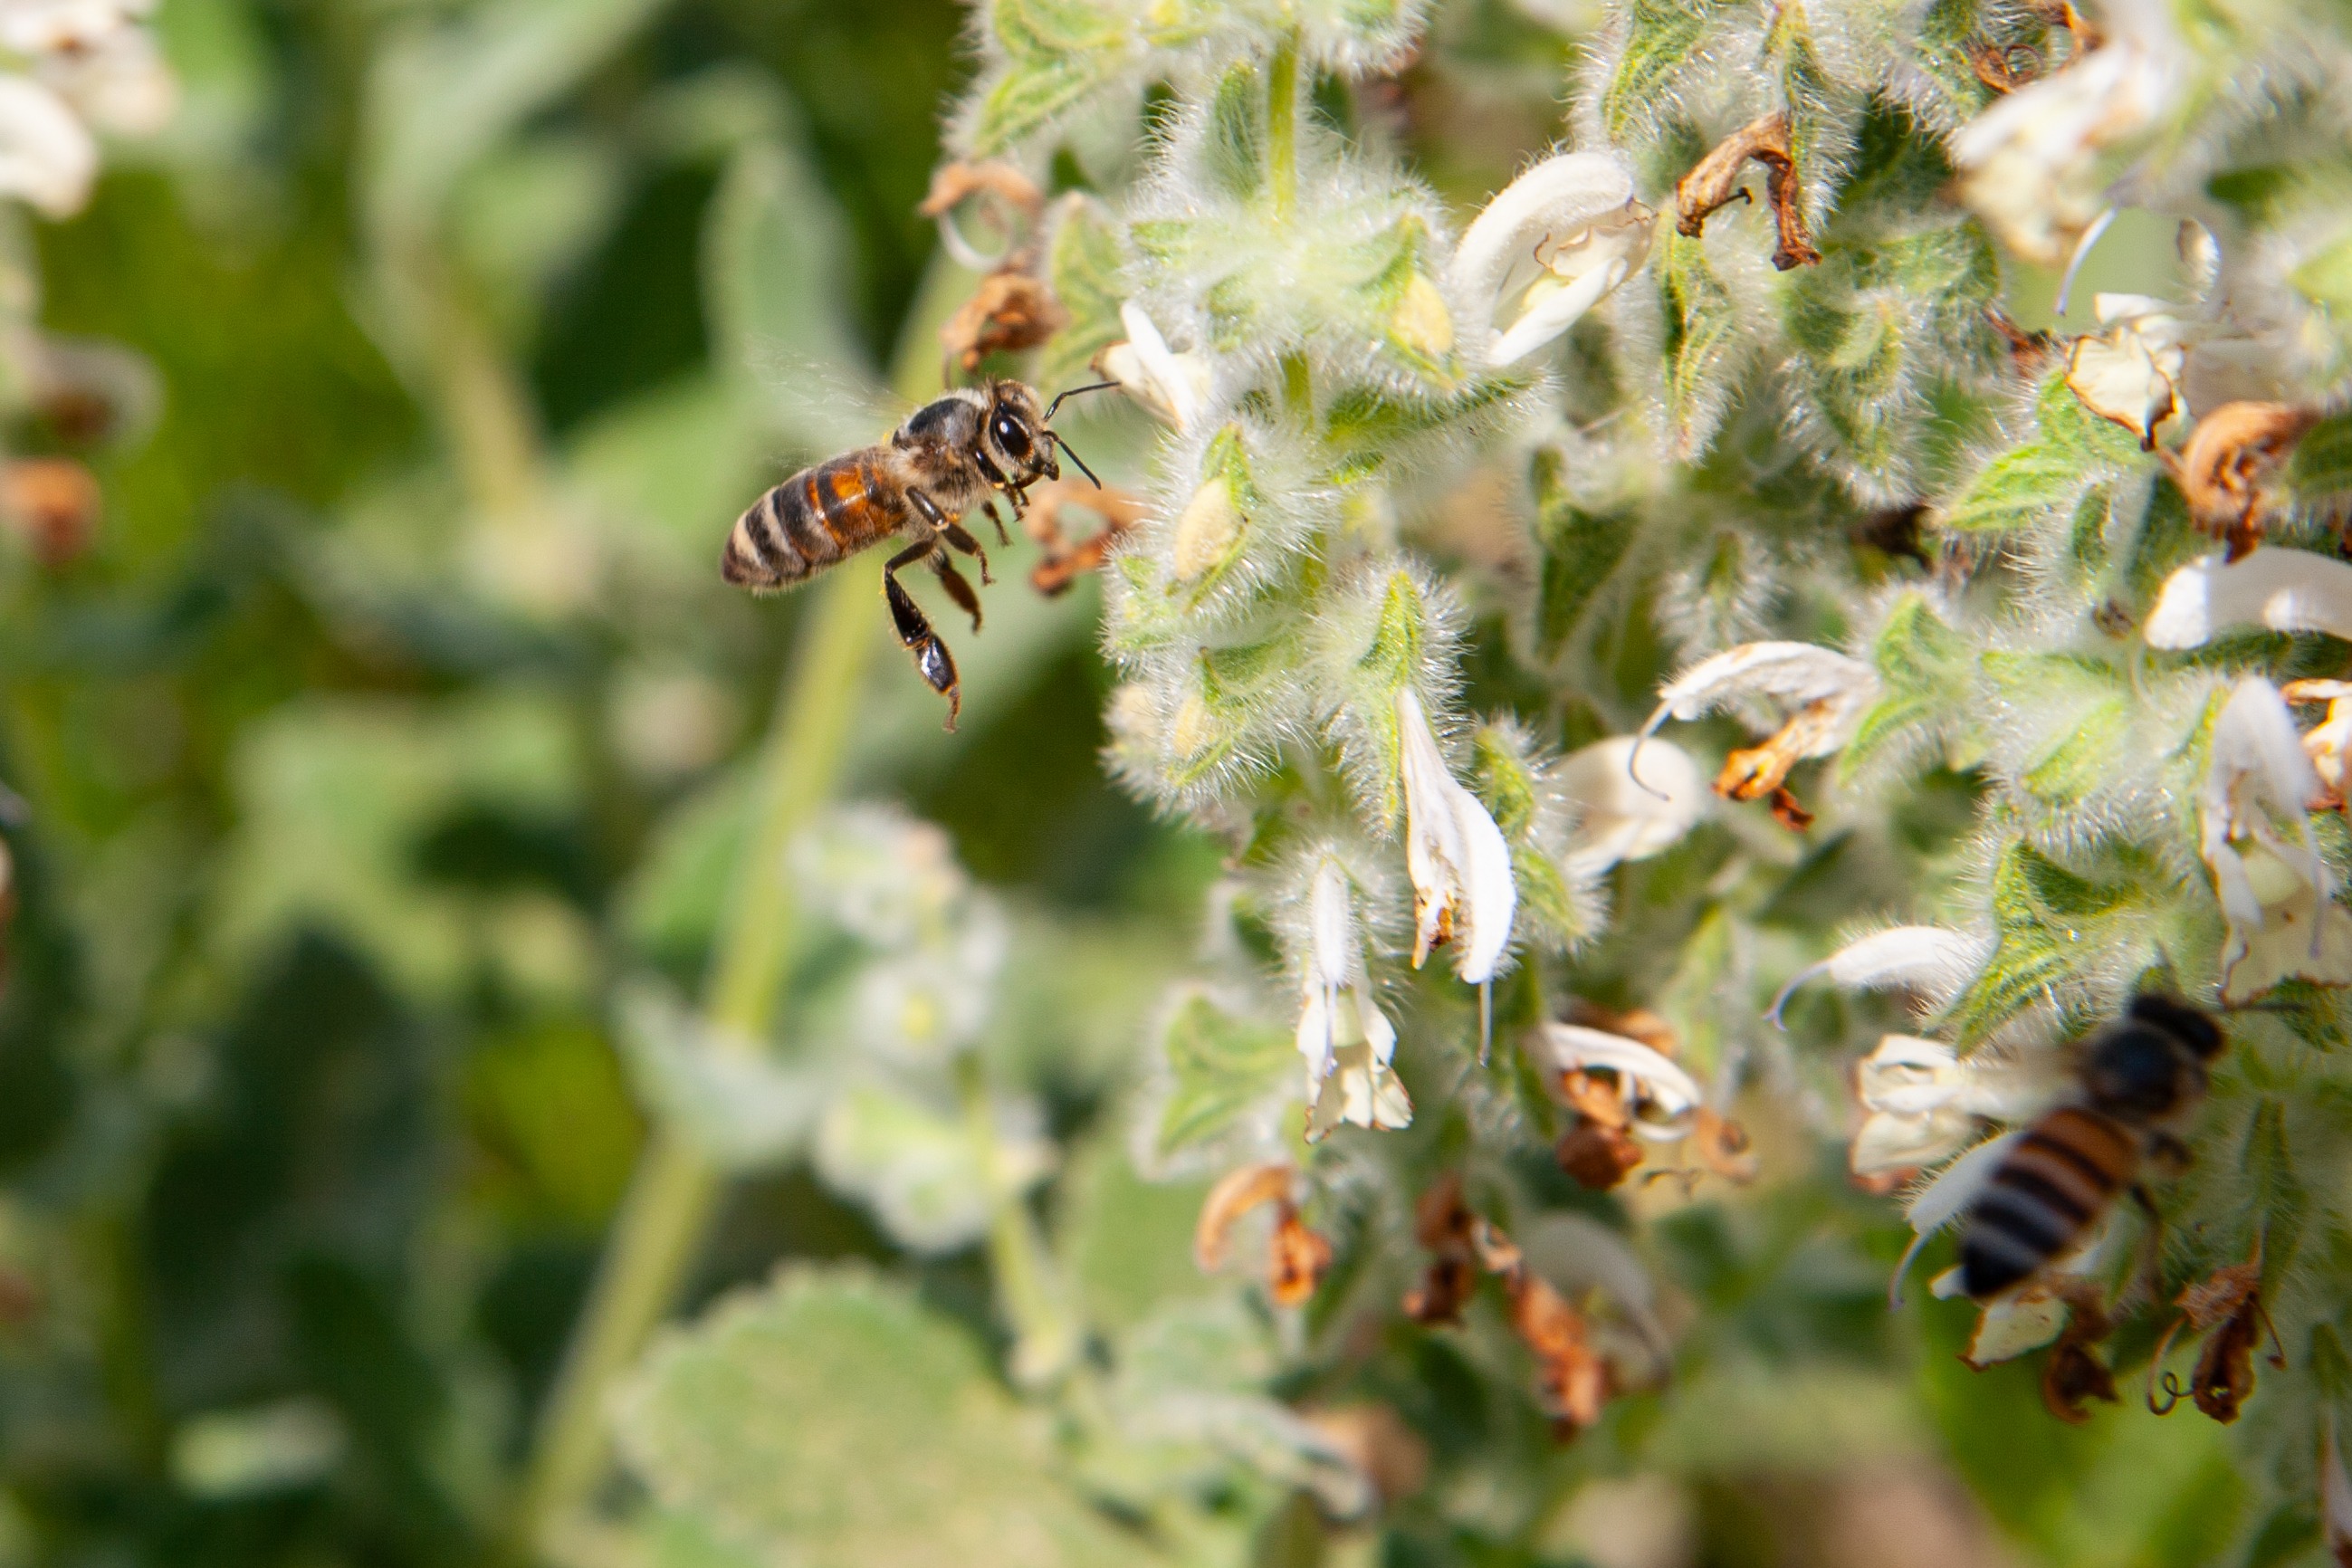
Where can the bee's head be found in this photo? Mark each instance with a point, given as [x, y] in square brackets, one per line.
[1014, 436]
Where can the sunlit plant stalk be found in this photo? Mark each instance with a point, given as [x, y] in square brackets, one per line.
[663, 1220]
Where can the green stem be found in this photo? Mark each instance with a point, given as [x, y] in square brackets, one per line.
[1282, 126]
[1045, 1336]
[671, 1199]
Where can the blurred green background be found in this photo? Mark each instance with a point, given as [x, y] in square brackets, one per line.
[391, 736]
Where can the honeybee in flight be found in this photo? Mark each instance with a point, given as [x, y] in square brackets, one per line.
[2136, 1074]
[947, 458]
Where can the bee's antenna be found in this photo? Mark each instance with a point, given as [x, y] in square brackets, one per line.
[1071, 452]
[1055, 407]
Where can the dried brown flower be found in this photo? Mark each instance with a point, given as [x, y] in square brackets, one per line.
[2074, 1375]
[1441, 1224]
[1714, 183]
[2227, 1306]
[2226, 466]
[1598, 1156]
[1011, 311]
[1296, 1257]
[1572, 1381]
[53, 504]
[1063, 560]
[1376, 1440]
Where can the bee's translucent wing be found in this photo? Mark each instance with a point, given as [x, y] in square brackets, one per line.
[820, 407]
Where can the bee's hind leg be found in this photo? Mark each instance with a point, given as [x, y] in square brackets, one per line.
[913, 629]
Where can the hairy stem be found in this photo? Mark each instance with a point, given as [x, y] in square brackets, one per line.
[1282, 131]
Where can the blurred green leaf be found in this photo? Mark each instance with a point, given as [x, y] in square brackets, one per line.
[829, 1419]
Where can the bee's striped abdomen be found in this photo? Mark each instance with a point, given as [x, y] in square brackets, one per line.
[808, 523]
[2049, 1189]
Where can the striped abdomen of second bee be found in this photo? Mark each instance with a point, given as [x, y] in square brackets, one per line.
[2047, 1192]
[812, 521]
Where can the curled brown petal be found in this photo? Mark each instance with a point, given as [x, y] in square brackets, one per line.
[53, 505]
[2225, 1369]
[1722, 1145]
[1572, 1381]
[1011, 311]
[1714, 183]
[953, 184]
[1063, 560]
[1301, 1257]
[2225, 467]
[1236, 1193]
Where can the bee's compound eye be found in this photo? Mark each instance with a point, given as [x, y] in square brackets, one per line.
[1011, 437]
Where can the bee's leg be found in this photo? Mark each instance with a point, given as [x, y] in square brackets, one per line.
[913, 629]
[941, 524]
[1020, 500]
[957, 535]
[958, 587]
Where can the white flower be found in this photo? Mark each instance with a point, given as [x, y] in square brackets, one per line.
[2029, 164]
[1930, 959]
[1461, 869]
[1828, 691]
[46, 156]
[1925, 1100]
[1344, 1038]
[1172, 386]
[2283, 919]
[1661, 1094]
[1549, 247]
[2283, 590]
[65, 26]
[1627, 815]
[119, 84]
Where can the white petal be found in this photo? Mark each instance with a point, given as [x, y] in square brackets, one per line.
[2284, 590]
[1361, 1091]
[1377, 1032]
[2008, 1329]
[1491, 899]
[1434, 851]
[1330, 929]
[2118, 378]
[1555, 198]
[2278, 944]
[1907, 1075]
[1628, 816]
[46, 154]
[1315, 1038]
[1797, 673]
[1168, 383]
[1888, 1142]
[1572, 1047]
[1577, 275]
[1931, 960]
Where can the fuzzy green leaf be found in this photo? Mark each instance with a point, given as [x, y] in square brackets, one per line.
[1702, 343]
[2052, 924]
[2045, 475]
[1661, 36]
[1057, 53]
[2321, 469]
[1924, 667]
[830, 1420]
[1221, 1067]
[1086, 265]
[1580, 550]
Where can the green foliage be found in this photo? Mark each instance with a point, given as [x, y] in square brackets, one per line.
[898, 1446]
[2044, 476]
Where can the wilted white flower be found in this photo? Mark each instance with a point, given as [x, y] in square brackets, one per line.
[1549, 247]
[1460, 866]
[1828, 690]
[1174, 386]
[1659, 1093]
[2132, 374]
[1931, 960]
[2283, 590]
[2284, 921]
[1344, 1038]
[46, 156]
[119, 84]
[2029, 164]
[1925, 1102]
[1625, 815]
[65, 26]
